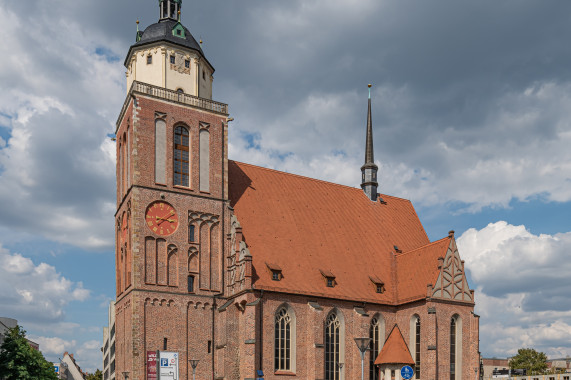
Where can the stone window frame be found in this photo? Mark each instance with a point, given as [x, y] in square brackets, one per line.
[377, 335]
[284, 355]
[334, 350]
[415, 334]
[178, 157]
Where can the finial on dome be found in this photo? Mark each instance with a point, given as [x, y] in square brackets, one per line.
[179, 15]
[137, 25]
[370, 85]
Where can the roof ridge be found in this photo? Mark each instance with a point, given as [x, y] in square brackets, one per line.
[314, 179]
[422, 247]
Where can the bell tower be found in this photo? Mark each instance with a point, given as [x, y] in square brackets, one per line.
[172, 201]
[166, 55]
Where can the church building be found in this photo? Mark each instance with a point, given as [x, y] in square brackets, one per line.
[253, 273]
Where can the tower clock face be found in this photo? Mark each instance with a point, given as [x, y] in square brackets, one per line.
[161, 218]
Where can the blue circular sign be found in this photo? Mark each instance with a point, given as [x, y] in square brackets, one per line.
[406, 372]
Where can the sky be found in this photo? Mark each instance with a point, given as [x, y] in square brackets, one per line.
[471, 114]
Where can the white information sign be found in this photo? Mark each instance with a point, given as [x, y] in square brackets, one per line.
[168, 365]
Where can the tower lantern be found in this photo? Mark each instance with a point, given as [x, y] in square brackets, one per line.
[169, 9]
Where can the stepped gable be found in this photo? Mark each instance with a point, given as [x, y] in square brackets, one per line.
[395, 350]
[417, 269]
[312, 229]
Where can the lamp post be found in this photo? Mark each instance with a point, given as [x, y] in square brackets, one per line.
[340, 365]
[363, 344]
[126, 375]
[193, 364]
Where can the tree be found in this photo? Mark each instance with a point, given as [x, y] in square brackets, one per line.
[19, 361]
[98, 375]
[527, 358]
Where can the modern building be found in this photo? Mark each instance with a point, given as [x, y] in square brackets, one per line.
[259, 273]
[69, 369]
[10, 323]
[108, 348]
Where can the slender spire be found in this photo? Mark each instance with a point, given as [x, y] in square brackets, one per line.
[369, 169]
[369, 151]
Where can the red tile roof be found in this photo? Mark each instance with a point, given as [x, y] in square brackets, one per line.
[395, 350]
[308, 227]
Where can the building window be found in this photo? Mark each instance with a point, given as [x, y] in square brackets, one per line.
[187, 63]
[374, 334]
[172, 59]
[283, 340]
[275, 275]
[181, 157]
[191, 284]
[149, 59]
[332, 347]
[178, 32]
[330, 282]
[380, 288]
[453, 349]
[204, 161]
[191, 238]
[417, 348]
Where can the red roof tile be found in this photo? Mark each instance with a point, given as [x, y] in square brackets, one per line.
[307, 226]
[418, 268]
[395, 350]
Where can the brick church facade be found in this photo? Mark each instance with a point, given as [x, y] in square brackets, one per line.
[246, 268]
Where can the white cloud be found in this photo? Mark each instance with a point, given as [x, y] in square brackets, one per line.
[522, 288]
[33, 293]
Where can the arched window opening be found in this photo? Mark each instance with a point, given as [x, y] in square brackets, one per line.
[332, 347]
[456, 347]
[283, 341]
[374, 334]
[181, 157]
[453, 349]
[417, 348]
[414, 344]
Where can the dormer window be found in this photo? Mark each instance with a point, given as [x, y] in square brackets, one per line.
[329, 278]
[378, 284]
[275, 271]
[149, 59]
[178, 32]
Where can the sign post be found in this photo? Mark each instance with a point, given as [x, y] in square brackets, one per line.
[406, 372]
[168, 365]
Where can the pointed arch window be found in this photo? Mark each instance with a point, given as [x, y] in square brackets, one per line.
[332, 347]
[376, 333]
[455, 347]
[181, 157]
[415, 339]
[284, 342]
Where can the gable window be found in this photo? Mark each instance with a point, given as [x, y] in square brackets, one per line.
[181, 157]
[275, 270]
[329, 278]
[172, 59]
[284, 337]
[149, 59]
